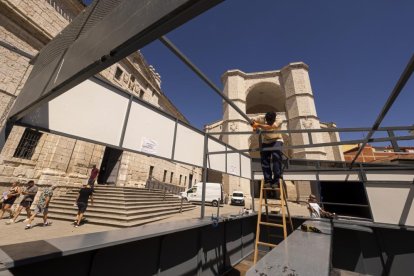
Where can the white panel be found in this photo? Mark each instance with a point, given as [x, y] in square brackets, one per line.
[149, 131]
[388, 201]
[246, 169]
[216, 161]
[337, 176]
[189, 146]
[257, 176]
[299, 176]
[390, 176]
[233, 164]
[89, 110]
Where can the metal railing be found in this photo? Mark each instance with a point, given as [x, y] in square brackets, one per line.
[154, 184]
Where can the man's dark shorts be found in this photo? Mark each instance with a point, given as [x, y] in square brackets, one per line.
[26, 204]
[82, 207]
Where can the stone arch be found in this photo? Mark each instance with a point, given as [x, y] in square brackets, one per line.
[265, 96]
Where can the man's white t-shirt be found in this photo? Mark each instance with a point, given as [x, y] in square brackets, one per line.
[316, 210]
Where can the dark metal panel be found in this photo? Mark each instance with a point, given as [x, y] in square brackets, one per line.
[233, 242]
[248, 235]
[135, 258]
[179, 253]
[213, 249]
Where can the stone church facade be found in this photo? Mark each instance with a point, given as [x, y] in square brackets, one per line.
[288, 92]
[28, 25]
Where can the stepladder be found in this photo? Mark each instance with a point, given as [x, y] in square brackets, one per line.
[265, 225]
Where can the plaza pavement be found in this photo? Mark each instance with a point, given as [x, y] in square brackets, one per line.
[15, 233]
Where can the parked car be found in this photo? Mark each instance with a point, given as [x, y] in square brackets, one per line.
[237, 198]
[214, 193]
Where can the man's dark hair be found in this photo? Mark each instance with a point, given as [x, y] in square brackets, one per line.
[270, 117]
[30, 182]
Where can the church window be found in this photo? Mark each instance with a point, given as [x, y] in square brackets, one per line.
[118, 73]
[27, 144]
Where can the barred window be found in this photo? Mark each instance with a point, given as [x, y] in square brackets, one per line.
[118, 73]
[27, 144]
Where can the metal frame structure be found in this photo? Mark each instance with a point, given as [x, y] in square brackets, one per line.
[53, 75]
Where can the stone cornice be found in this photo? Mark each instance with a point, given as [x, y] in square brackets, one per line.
[304, 117]
[14, 13]
[235, 100]
[302, 94]
[294, 65]
[249, 76]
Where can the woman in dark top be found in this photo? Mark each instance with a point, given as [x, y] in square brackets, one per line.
[9, 199]
[82, 202]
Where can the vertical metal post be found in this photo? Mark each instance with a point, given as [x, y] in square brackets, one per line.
[181, 206]
[203, 194]
[393, 141]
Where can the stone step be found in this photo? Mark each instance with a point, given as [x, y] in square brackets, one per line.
[123, 204]
[118, 201]
[76, 191]
[121, 215]
[121, 208]
[104, 222]
[111, 200]
[112, 217]
[120, 192]
[126, 189]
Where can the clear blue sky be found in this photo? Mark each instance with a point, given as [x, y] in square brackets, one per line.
[356, 51]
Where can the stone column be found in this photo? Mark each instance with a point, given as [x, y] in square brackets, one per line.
[301, 114]
[301, 110]
[235, 90]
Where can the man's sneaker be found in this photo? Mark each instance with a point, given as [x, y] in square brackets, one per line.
[26, 220]
[28, 226]
[275, 186]
[267, 185]
[47, 223]
[10, 221]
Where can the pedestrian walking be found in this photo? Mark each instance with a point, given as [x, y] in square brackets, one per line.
[42, 206]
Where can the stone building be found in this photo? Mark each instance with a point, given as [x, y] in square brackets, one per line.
[28, 25]
[288, 92]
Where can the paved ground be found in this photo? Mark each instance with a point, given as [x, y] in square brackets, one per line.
[15, 233]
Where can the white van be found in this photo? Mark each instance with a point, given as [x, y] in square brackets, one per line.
[214, 193]
[237, 198]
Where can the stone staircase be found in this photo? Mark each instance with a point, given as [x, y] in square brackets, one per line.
[119, 206]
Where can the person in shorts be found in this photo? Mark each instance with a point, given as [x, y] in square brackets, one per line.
[42, 206]
[85, 193]
[9, 199]
[29, 195]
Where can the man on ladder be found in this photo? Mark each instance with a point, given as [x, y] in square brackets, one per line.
[270, 160]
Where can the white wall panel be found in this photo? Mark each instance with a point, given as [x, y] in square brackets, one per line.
[390, 176]
[89, 110]
[147, 127]
[233, 163]
[391, 202]
[245, 167]
[216, 161]
[189, 146]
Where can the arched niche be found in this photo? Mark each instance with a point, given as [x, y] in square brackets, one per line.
[263, 97]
